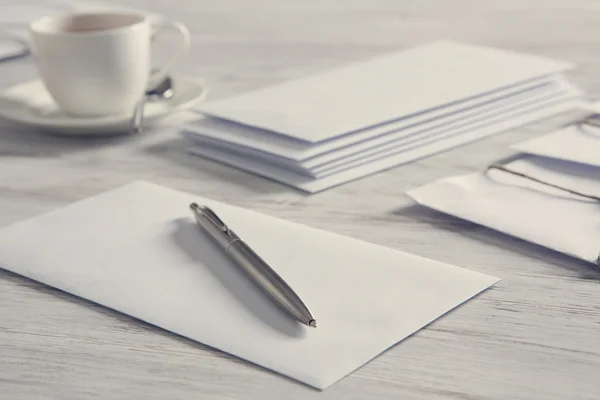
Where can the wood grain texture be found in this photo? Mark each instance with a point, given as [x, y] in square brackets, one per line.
[533, 336]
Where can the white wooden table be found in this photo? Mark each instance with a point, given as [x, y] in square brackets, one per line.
[534, 336]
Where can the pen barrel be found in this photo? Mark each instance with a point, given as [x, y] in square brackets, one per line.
[269, 281]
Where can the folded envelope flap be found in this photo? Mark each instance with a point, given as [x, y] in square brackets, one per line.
[381, 89]
[527, 210]
[579, 144]
[137, 250]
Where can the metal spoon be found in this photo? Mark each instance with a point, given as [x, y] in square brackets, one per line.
[162, 91]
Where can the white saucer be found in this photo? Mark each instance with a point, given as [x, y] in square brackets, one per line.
[29, 103]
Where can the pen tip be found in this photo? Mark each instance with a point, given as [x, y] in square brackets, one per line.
[193, 206]
[312, 323]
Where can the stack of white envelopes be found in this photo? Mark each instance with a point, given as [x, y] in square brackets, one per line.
[327, 129]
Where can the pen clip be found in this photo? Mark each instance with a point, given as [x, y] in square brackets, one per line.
[210, 215]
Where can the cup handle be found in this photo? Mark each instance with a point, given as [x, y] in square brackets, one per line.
[158, 27]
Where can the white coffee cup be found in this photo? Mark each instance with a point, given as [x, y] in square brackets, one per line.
[97, 64]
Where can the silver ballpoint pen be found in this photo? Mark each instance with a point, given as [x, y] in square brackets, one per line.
[257, 270]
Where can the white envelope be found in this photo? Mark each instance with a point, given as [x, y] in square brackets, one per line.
[572, 143]
[244, 137]
[524, 209]
[11, 47]
[137, 250]
[380, 162]
[328, 163]
[388, 87]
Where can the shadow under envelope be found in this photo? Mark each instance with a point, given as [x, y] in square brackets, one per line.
[199, 247]
[439, 220]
